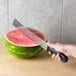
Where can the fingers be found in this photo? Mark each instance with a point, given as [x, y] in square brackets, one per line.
[57, 57]
[54, 56]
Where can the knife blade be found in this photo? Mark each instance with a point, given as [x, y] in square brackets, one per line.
[38, 40]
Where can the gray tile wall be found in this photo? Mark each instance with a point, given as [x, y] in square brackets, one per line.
[56, 18]
[69, 21]
[3, 17]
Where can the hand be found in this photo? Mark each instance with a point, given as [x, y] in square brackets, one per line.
[60, 48]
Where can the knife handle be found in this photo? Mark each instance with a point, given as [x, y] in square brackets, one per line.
[63, 57]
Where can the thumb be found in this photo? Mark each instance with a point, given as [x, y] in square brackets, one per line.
[58, 47]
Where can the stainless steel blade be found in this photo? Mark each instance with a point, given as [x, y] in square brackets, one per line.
[30, 34]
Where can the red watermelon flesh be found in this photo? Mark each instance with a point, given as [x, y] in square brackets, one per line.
[17, 37]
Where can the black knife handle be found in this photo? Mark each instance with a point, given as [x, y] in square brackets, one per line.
[63, 57]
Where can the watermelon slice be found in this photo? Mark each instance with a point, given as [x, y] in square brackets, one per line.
[20, 45]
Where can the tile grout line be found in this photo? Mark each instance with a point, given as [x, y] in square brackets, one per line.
[61, 22]
[8, 14]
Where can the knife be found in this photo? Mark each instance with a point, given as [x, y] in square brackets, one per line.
[38, 40]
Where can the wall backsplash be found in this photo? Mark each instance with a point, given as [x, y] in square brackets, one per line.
[56, 18]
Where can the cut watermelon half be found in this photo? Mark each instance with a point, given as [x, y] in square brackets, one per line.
[20, 45]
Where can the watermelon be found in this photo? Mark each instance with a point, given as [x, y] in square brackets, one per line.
[19, 45]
